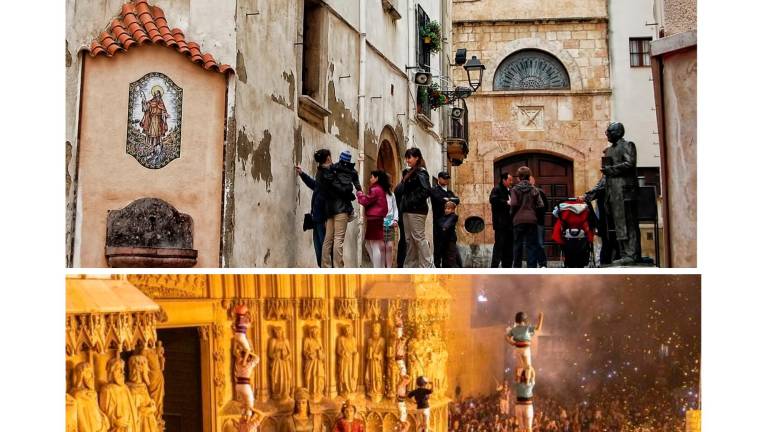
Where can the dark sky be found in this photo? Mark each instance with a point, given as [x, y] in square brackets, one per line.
[616, 337]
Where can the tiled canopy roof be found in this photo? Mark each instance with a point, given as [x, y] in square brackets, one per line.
[139, 23]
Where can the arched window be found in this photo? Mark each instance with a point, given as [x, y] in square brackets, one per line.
[531, 69]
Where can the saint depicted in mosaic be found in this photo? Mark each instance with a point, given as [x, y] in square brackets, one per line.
[154, 120]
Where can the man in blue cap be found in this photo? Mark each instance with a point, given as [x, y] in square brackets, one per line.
[337, 182]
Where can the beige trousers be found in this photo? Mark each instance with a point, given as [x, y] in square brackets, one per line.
[335, 231]
[524, 414]
[418, 253]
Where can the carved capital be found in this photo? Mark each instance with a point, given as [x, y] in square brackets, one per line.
[171, 286]
[278, 309]
[372, 308]
[347, 308]
[230, 304]
[313, 308]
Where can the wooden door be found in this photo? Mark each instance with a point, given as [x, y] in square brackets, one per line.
[553, 175]
[183, 404]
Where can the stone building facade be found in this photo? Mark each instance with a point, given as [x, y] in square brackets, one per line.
[304, 75]
[184, 326]
[545, 102]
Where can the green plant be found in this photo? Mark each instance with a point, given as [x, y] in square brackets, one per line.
[436, 96]
[430, 33]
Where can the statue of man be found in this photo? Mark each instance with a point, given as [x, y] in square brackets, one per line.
[374, 370]
[314, 363]
[620, 186]
[156, 385]
[346, 352]
[90, 418]
[138, 369]
[117, 401]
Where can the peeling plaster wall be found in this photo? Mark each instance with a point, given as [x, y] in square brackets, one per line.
[264, 201]
[270, 200]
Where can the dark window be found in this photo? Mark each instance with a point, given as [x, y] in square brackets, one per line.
[639, 52]
[531, 69]
[423, 58]
[311, 49]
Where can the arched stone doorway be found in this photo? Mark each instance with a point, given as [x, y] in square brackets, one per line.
[388, 158]
[553, 174]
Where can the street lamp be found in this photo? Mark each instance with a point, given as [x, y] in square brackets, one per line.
[474, 72]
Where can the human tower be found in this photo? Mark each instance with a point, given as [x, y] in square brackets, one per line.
[519, 336]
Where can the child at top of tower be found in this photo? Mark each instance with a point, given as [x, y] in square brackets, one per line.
[520, 336]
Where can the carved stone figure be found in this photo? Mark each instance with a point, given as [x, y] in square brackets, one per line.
[620, 186]
[138, 369]
[71, 414]
[156, 385]
[393, 370]
[116, 399]
[417, 356]
[250, 422]
[280, 368]
[302, 419]
[374, 370]
[90, 417]
[314, 363]
[347, 422]
[245, 362]
[346, 353]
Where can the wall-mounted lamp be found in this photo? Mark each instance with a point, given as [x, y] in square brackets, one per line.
[475, 71]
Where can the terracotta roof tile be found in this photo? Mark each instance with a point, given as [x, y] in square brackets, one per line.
[141, 23]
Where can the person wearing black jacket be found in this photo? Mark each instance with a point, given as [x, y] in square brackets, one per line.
[439, 196]
[317, 211]
[337, 182]
[541, 214]
[448, 254]
[502, 223]
[413, 190]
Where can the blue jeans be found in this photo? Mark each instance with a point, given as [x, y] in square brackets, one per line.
[318, 236]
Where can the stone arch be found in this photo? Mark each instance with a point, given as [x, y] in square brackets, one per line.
[388, 154]
[550, 47]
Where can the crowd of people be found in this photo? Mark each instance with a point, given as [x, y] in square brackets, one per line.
[518, 208]
[603, 413]
[402, 208]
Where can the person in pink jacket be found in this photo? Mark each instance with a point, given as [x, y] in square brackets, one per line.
[379, 218]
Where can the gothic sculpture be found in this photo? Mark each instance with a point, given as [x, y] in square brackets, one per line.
[156, 385]
[620, 188]
[90, 418]
[346, 354]
[374, 368]
[281, 369]
[240, 327]
[145, 407]
[314, 363]
[117, 401]
[302, 419]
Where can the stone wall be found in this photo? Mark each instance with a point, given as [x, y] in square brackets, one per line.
[526, 9]
[573, 123]
[679, 16]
